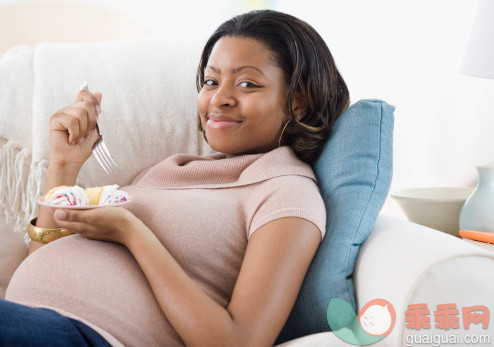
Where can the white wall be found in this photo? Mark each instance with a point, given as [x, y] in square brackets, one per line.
[405, 52]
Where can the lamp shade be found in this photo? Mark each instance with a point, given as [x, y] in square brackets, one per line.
[479, 57]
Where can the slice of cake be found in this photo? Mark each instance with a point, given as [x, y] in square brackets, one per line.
[67, 196]
[106, 195]
[94, 194]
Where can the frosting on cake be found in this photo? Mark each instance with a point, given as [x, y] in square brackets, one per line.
[77, 196]
[67, 196]
[111, 195]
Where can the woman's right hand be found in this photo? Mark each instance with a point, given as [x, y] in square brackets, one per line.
[73, 131]
[72, 135]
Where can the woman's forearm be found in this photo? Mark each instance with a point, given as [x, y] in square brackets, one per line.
[197, 318]
[55, 176]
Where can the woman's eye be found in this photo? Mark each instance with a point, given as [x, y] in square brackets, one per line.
[249, 85]
[209, 82]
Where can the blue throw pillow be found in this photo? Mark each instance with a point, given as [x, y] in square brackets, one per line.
[354, 174]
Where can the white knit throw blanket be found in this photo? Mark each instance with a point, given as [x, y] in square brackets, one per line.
[148, 111]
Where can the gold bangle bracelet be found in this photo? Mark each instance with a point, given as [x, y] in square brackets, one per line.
[46, 235]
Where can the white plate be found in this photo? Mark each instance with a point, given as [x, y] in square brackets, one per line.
[41, 201]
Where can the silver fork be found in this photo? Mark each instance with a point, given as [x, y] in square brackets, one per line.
[100, 151]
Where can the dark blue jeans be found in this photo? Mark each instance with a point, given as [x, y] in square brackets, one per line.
[26, 326]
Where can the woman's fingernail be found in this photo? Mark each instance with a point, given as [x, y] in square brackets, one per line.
[98, 109]
[82, 139]
[59, 214]
[90, 133]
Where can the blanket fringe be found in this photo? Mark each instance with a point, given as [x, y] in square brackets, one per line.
[21, 182]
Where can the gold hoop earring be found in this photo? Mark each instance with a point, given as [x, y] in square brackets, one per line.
[279, 141]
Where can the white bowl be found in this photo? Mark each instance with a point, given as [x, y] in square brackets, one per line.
[438, 208]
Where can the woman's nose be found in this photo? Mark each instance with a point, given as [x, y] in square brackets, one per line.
[223, 96]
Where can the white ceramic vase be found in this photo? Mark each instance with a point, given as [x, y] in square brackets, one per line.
[478, 212]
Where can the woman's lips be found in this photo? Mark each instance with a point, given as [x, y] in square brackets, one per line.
[221, 124]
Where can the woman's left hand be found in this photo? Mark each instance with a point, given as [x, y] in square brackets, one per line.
[104, 223]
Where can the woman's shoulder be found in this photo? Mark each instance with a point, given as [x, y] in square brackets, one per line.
[285, 196]
[288, 191]
[291, 185]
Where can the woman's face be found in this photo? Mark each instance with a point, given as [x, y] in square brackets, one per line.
[242, 101]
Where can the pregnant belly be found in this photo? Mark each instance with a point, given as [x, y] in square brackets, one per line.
[98, 281]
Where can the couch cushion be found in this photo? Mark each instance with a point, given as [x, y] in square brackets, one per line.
[354, 174]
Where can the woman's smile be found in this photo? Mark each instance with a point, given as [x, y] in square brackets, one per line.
[218, 120]
[222, 124]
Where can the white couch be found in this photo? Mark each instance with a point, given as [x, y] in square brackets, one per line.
[401, 262]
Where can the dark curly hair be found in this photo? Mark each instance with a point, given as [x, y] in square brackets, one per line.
[308, 67]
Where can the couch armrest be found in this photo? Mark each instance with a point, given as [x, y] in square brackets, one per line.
[406, 263]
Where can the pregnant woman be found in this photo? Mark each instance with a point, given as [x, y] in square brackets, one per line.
[212, 250]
